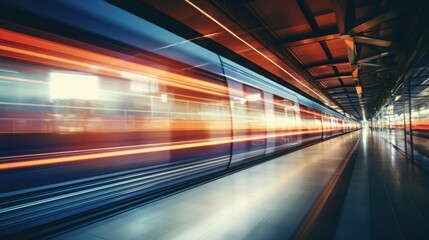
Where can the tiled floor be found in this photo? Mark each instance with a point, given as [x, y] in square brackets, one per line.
[267, 201]
[388, 196]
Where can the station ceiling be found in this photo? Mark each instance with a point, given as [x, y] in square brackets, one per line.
[348, 54]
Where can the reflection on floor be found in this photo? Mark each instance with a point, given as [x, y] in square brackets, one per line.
[388, 195]
[267, 201]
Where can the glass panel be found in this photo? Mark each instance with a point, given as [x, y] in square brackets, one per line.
[271, 123]
[285, 123]
[393, 114]
[281, 126]
[327, 125]
[407, 122]
[311, 124]
[419, 90]
[397, 121]
[249, 128]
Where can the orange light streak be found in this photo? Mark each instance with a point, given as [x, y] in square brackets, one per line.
[210, 142]
[198, 88]
[203, 101]
[170, 82]
[77, 58]
[311, 112]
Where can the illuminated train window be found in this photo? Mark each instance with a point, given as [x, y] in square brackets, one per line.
[72, 86]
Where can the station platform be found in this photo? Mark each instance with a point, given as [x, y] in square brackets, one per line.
[356, 186]
[387, 196]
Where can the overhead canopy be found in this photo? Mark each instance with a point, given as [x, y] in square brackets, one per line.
[349, 55]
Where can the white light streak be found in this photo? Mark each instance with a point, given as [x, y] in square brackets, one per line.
[253, 48]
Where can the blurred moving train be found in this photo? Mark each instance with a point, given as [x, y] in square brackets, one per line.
[124, 108]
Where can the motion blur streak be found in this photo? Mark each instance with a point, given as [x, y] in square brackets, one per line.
[89, 121]
[22, 80]
[210, 142]
[103, 63]
[189, 85]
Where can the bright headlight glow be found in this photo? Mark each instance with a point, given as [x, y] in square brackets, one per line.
[72, 86]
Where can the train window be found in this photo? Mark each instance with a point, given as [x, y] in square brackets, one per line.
[249, 123]
[311, 125]
[280, 121]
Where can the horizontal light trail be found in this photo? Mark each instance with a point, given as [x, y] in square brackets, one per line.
[23, 80]
[196, 88]
[40, 155]
[202, 100]
[90, 156]
[36, 50]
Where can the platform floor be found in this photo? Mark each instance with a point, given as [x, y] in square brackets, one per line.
[267, 201]
[388, 195]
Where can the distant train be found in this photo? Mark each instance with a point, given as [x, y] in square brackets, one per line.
[126, 108]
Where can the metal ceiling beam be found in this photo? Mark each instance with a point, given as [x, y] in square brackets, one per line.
[373, 64]
[351, 51]
[340, 87]
[328, 64]
[315, 28]
[345, 93]
[347, 105]
[379, 18]
[372, 73]
[346, 101]
[333, 77]
[308, 14]
[350, 106]
[375, 56]
[373, 40]
[323, 36]
[352, 99]
[344, 12]
[317, 36]
[337, 73]
[355, 103]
